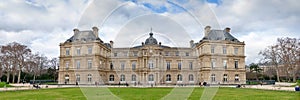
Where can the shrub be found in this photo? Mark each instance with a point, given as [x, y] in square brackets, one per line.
[2, 84]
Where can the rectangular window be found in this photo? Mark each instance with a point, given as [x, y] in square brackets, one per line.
[225, 64]
[115, 54]
[187, 54]
[177, 53]
[236, 64]
[213, 78]
[212, 49]
[224, 50]
[90, 50]
[150, 64]
[125, 54]
[111, 66]
[67, 51]
[78, 51]
[122, 65]
[213, 63]
[236, 50]
[191, 65]
[90, 64]
[135, 53]
[167, 53]
[133, 65]
[191, 77]
[67, 65]
[168, 66]
[179, 65]
[78, 64]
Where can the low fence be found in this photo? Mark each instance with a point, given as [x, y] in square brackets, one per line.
[41, 81]
[261, 82]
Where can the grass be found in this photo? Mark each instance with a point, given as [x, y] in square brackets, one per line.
[2, 84]
[147, 94]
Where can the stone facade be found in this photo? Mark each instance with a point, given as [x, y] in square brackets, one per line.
[216, 59]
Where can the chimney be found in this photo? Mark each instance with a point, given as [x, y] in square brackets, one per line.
[206, 31]
[76, 31]
[191, 43]
[227, 29]
[95, 31]
[111, 43]
[159, 43]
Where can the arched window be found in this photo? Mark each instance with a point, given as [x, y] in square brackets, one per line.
[191, 77]
[77, 78]
[213, 77]
[89, 77]
[225, 78]
[111, 78]
[67, 78]
[151, 78]
[122, 78]
[236, 78]
[179, 77]
[168, 77]
[133, 77]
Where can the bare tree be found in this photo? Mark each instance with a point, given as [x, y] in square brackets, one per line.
[36, 64]
[17, 53]
[1, 69]
[286, 53]
[270, 57]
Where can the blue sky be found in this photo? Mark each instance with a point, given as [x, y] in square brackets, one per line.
[43, 24]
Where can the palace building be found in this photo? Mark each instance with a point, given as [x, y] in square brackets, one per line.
[218, 58]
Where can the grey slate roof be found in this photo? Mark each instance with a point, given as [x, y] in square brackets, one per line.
[220, 35]
[86, 36]
[150, 40]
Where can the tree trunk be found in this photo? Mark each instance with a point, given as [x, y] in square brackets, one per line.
[14, 74]
[7, 77]
[24, 77]
[295, 78]
[19, 76]
[278, 77]
[33, 78]
[256, 76]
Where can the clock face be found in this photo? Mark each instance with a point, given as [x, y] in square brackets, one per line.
[151, 50]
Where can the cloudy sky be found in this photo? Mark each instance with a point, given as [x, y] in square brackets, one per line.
[43, 24]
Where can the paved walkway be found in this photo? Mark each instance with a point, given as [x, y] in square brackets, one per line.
[30, 87]
[271, 87]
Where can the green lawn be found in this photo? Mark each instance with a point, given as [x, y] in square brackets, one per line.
[146, 94]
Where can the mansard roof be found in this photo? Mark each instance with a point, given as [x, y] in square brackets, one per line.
[84, 36]
[220, 35]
